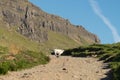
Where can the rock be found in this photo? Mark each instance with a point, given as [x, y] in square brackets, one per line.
[26, 75]
[35, 24]
[97, 71]
[81, 79]
[64, 69]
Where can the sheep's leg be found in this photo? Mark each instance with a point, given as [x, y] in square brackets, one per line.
[57, 55]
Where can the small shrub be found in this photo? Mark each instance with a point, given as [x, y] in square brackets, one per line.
[4, 67]
[12, 66]
[116, 70]
[117, 58]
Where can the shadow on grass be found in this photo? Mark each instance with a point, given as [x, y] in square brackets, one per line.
[109, 76]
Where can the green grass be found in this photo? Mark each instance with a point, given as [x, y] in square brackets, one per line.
[9, 37]
[25, 53]
[24, 59]
[58, 40]
[18, 52]
[3, 50]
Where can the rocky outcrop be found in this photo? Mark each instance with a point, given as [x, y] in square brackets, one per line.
[34, 23]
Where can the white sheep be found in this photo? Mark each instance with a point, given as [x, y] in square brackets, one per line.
[58, 52]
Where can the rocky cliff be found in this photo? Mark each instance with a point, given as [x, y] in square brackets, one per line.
[35, 24]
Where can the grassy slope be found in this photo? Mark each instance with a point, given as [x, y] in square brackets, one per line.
[10, 38]
[57, 40]
[18, 52]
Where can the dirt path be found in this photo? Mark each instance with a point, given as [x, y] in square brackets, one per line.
[62, 68]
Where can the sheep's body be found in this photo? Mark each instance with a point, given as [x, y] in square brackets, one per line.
[58, 52]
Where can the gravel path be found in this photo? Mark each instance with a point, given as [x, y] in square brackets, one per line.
[62, 68]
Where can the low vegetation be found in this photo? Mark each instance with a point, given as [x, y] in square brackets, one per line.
[24, 59]
[58, 40]
[10, 38]
[18, 52]
[108, 52]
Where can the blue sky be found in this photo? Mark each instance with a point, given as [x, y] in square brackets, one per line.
[101, 17]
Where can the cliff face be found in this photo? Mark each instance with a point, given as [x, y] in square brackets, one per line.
[35, 24]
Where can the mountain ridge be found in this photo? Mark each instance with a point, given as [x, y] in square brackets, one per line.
[35, 24]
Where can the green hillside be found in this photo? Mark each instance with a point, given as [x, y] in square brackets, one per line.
[58, 40]
[18, 52]
[10, 38]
